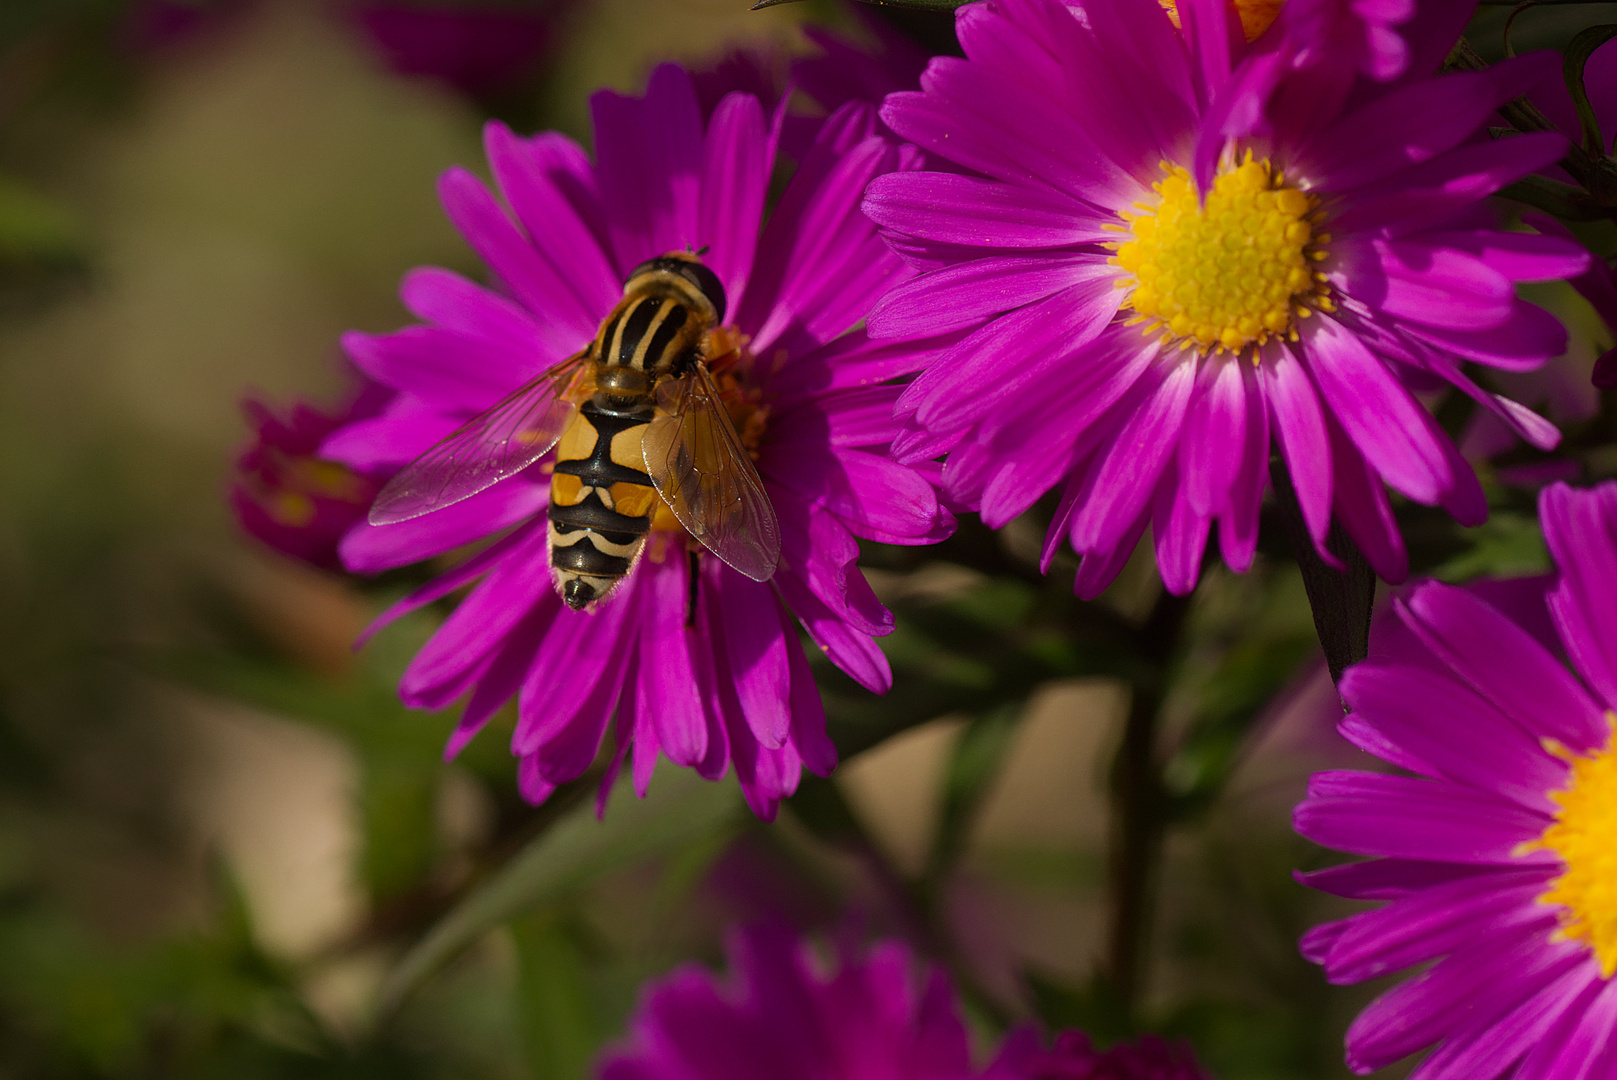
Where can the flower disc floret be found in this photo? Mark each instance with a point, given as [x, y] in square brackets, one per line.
[1256, 15]
[1227, 272]
[1585, 837]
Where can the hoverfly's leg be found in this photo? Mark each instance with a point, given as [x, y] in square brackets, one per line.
[696, 566]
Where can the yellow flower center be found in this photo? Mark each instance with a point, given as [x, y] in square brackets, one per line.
[1228, 271]
[304, 479]
[292, 509]
[1585, 837]
[1256, 15]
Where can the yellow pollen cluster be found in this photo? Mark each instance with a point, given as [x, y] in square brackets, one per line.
[1585, 837]
[1256, 15]
[1227, 273]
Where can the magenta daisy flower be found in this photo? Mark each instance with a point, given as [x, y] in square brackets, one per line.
[844, 70]
[1150, 305]
[286, 494]
[702, 665]
[1499, 855]
[787, 1017]
[476, 48]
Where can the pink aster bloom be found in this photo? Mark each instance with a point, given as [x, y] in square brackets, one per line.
[726, 683]
[477, 48]
[1149, 306]
[1599, 284]
[786, 1016]
[289, 497]
[845, 70]
[1498, 856]
[842, 71]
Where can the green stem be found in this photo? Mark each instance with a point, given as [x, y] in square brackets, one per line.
[1597, 174]
[1139, 806]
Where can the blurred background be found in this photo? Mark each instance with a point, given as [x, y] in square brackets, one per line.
[226, 850]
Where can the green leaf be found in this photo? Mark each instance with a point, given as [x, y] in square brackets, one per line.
[978, 755]
[1240, 689]
[681, 808]
[1578, 50]
[35, 228]
[558, 1024]
[1097, 1009]
[1506, 545]
[1553, 197]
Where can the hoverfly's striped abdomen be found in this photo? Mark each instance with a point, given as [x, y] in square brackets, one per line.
[601, 500]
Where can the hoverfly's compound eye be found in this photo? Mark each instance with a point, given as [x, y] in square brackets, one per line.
[692, 270]
[706, 280]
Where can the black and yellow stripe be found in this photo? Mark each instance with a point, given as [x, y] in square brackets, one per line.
[601, 501]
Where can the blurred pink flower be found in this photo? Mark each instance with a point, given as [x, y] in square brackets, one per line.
[477, 48]
[154, 25]
[868, 1015]
[287, 495]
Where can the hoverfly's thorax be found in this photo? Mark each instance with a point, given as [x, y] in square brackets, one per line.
[657, 326]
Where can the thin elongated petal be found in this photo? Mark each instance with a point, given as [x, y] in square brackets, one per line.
[735, 175]
[546, 181]
[757, 655]
[1580, 528]
[1121, 486]
[1294, 407]
[1506, 664]
[1404, 818]
[1384, 421]
[659, 135]
[532, 278]
[368, 548]
[1442, 722]
[963, 210]
[1488, 978]
[1433, 923]
[667, 685]
[1417, 121]
[1210, 454]
[1496, 1043]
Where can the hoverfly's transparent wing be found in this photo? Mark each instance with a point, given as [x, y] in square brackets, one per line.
[496, 443]
[706, 477]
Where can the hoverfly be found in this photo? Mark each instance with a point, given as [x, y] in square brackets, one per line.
[640, 425]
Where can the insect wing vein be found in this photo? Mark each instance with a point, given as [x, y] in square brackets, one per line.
[496, 443]
[707, 478]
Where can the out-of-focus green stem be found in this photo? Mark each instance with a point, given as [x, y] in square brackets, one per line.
[1139, 805]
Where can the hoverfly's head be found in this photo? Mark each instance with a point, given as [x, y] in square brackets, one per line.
[682, 268]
